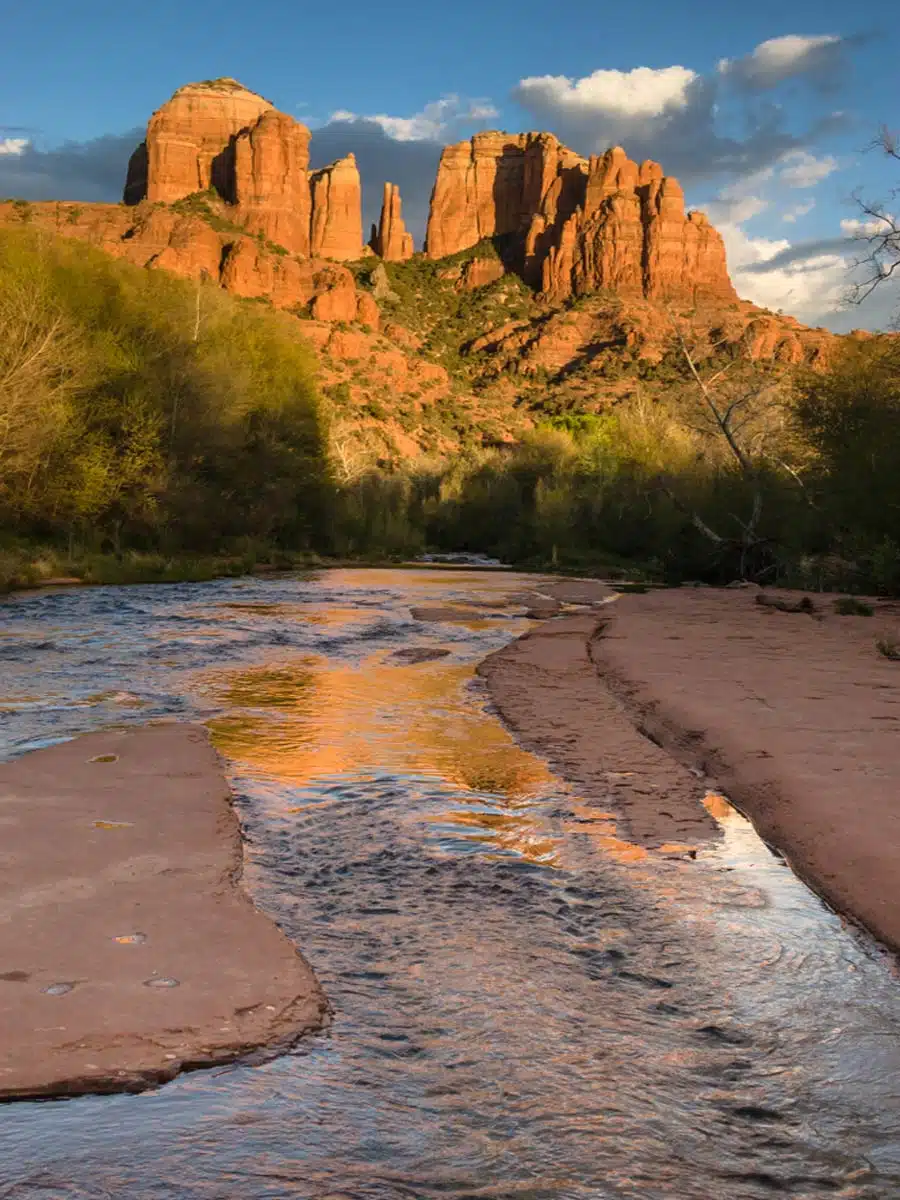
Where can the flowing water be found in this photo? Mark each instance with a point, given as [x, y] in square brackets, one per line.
[525, 1004]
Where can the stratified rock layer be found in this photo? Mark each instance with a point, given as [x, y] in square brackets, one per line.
[390, 240]
[190, 141]
[493, 185]
[337, 211]
[577, 225]
[271, 187]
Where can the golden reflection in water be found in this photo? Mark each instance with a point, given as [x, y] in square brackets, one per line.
[518, 831]
[601, 829]
[311, 613]
[313, 718]
[323, 719]
[270, 687]
[719, 808]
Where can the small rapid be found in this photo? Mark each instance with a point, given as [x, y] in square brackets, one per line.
[525, 1004]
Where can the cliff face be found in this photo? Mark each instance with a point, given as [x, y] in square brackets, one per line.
[221, 191]
[337, 211]
[189, 145]
[271, 188]
[569, 225]
[220, 135]
[577, 225]
[493, 185]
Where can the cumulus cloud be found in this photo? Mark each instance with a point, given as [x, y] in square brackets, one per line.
[811, 278]
[643, 92]
[775, 61]
[13, 145]
[698, 126]
[437, 120]
[807, 280]
[93, 170]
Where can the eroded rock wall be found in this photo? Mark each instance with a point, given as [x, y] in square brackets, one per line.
[336, 230]
[584, 224]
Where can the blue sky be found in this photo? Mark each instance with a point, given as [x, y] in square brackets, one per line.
[762, 110]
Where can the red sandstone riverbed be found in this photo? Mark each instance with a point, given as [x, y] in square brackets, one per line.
[795, 717]
[129, 950]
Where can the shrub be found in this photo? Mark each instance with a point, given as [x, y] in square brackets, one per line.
[849, 606]
[139, 425]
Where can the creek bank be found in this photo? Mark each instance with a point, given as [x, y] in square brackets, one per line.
[674, 693]
[128, 950]
[796, 717]
[547, 689]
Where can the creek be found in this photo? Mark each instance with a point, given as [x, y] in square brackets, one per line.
[525, 1004]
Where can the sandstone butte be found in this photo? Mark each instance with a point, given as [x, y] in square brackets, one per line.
[577, 224]
[220, 189]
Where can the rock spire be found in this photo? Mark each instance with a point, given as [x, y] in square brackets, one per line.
[337, 210]
[390, 240]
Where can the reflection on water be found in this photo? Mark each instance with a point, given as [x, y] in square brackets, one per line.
[322, 718]
[526, 1004]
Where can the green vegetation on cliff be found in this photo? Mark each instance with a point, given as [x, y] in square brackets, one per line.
[153, 428]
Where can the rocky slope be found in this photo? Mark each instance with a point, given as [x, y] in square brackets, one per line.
[547, 284]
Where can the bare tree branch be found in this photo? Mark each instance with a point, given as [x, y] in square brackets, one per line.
[878, 230]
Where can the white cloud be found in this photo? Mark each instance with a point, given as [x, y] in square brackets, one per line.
[642, 92]
[11, 145]
[700, 126]
[436, 120]
[805, 288]
[781, 58]
[855, 228]
[803, 170]
[799, 210]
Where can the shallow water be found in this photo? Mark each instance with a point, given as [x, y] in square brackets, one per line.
[525, 1004]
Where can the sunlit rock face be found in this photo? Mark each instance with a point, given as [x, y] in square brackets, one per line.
[190, 142]
[390, 240]
[337, 210]
[577, 225]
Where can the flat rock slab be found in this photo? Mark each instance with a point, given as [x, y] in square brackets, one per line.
[795, 717]
[548, 690]
[128, 950]
[445, 613]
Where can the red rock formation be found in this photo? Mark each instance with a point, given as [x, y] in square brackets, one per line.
[271, 187]
[336, 298]
[390, 240]
[585, 225]
[480, 271]
[190, 142]
[367, 312]
[493, 185]
[336, 230]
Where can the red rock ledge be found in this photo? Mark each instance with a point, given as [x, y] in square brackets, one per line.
[128, 950]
